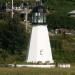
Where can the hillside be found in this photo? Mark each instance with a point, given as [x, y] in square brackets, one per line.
[63, 48]
[58, 14]
[60, 7]
[14, 39]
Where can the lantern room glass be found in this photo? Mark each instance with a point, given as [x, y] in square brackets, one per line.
[38, 17]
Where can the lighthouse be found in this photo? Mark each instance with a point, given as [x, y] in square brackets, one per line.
[39, 48]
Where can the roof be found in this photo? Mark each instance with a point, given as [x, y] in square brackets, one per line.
[72, 12]
[39, 8]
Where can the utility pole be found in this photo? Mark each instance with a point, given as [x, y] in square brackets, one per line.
[12, 13]
[26, 17]
[6, 5]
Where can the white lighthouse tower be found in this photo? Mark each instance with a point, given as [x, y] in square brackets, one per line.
[40, 48]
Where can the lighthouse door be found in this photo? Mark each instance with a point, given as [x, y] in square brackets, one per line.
[43, 54]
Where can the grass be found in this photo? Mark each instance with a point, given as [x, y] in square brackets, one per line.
[36, 71]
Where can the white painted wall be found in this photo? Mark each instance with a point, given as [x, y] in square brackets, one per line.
[37, 66]
[40, 48]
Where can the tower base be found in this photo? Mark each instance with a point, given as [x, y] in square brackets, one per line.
[40, 49]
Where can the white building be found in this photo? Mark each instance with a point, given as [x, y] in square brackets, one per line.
[40, 48]
[71, 13]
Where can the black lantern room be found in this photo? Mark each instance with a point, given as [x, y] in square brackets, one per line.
[38, 15]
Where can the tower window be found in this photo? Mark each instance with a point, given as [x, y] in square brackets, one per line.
[41, 52]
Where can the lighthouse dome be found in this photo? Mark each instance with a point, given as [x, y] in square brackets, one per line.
[38, 9]
[38, 15]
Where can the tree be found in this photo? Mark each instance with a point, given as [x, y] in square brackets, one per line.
[13, 37]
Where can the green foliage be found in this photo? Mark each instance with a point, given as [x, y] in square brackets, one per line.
[58, 11]
[13, 39]
[63, 48]
[61, 8]
[55, 22]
